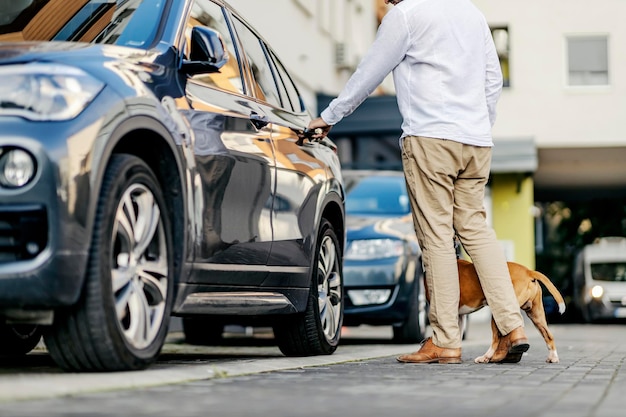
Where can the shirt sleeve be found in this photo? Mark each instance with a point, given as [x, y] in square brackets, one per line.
[387, 51]
[493, 75]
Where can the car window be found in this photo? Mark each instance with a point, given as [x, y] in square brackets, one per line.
[124, 22]
[282, 90]
[265, 88]
[287, 87]
[206, 13]
[377, 195]
[134, 23]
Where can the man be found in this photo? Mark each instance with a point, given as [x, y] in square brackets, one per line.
[448, 79]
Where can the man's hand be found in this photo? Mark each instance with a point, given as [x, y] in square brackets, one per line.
[319, 128]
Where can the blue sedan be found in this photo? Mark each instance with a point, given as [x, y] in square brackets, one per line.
[383, 275]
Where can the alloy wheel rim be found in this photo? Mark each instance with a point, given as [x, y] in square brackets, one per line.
[140, 269]
[330, 298]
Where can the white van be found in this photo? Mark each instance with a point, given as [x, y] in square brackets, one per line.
[600, 279]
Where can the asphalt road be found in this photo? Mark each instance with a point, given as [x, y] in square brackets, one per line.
[250, 377]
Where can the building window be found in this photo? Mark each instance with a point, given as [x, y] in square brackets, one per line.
[587, 60]
[501, 40]
[326, 12]
[306, 5]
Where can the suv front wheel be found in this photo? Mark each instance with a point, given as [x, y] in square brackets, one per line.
[121, 320]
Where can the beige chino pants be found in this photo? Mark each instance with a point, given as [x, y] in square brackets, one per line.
[446, 183]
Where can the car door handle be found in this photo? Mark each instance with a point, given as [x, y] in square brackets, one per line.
[306, 134]
[258, 121]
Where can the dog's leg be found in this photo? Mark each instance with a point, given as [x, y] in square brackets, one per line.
[537, 315]
[495, 340]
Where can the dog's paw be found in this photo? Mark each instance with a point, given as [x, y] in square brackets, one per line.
[482, 359]
[552, 357]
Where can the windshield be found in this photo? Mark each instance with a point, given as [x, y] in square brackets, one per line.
[609, 271]
[122, 22]
[377, 195]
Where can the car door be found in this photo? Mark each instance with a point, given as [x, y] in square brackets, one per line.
[299, 175]
[234, 167]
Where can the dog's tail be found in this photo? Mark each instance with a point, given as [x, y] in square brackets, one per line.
[551, 288]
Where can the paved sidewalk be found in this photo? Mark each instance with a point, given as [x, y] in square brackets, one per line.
[590, 381]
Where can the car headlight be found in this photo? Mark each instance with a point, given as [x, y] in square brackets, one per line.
[17, 167]
[361, 250]
[45, 91]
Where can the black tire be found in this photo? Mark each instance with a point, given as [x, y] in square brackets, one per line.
[464, 325]
[414, 327]
[575, 314]
[585, 313]
[18, 339]
[121, 320]
[317, 331]
[201, 331]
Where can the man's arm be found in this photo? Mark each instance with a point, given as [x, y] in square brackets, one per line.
[387, 51]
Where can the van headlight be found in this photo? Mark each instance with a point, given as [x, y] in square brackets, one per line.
[43, 92]
[597, 292]
[17, 167]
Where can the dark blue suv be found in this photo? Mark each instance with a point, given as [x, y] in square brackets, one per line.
[154, 163]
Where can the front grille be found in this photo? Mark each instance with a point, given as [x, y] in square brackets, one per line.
[23, 232]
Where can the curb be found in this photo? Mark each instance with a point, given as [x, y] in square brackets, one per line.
[44, 384]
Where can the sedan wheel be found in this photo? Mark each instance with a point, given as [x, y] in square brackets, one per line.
[414, 327]
[202, 331]
[18, 339]
[121, 320]
[317, 331]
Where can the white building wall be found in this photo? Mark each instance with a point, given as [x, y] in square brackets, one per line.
[539, 103]
[304, 34]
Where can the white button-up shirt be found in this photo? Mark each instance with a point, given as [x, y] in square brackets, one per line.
[445, 69]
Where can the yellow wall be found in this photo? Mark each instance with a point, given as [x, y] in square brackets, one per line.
[512, 211]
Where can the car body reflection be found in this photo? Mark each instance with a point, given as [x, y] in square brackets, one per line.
[151, 166]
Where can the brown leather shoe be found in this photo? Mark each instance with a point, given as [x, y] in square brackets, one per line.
[430, 353]
[511, 347]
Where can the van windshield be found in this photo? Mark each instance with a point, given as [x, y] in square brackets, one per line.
[609, 271]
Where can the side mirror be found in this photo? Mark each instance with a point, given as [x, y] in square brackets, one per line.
[207, 54]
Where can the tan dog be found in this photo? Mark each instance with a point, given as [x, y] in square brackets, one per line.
[529, 296]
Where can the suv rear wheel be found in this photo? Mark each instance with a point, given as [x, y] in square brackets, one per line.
[317, 331]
